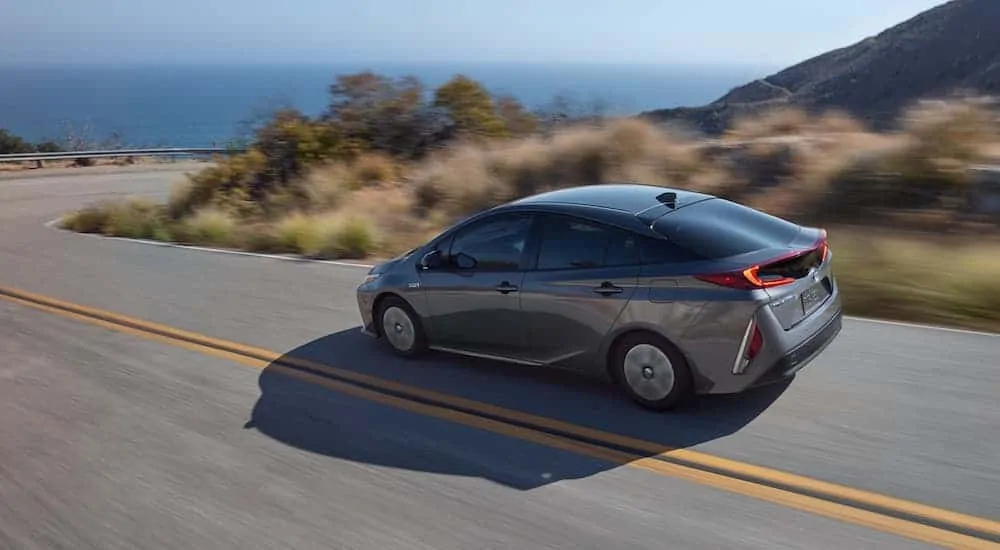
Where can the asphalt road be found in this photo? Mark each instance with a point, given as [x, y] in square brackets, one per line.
[115, 437]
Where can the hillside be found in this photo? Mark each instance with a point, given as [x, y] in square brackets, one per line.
[953, 47]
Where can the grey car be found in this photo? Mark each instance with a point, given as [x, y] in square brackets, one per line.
[666, 292]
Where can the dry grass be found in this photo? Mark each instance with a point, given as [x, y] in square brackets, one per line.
[208, 226]
[951, 281]
[326, 236]
[133, 218]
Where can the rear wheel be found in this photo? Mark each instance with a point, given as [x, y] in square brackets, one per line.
[401, 328]
[651, 371]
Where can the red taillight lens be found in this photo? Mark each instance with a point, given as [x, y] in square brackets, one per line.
[748, 279]
[752, 275]
[730, 280]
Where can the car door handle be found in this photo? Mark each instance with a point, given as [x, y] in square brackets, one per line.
[506, 288]
[607, 289]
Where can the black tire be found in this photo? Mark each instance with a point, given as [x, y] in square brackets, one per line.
[400, 313]
[652, 395]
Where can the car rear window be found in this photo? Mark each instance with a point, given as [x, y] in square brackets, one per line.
[718, 228]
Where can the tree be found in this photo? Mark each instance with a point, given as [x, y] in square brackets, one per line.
[290, 142]
[517, 120]
[385, 114]
[470, 108]
[11, 144]
[48, 146]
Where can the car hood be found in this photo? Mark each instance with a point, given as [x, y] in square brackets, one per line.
[391, 263]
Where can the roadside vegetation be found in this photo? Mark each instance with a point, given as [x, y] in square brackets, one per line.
[389, 164]
[11, 144]
[74, 138]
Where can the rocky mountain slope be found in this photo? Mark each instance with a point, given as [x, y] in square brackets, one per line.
[951, 48]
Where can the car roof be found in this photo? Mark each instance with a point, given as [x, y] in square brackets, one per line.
[633, 198]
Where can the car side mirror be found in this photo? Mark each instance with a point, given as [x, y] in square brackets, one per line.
[431, 260]
[464, 261]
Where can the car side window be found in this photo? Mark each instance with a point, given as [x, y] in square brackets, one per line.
[570, 243]
[623, 248]
[495, 244]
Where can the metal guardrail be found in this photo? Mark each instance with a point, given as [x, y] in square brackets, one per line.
[160, 152]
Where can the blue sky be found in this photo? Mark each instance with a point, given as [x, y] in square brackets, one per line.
[702, 32]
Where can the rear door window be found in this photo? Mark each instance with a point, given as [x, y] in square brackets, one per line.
[571, 243]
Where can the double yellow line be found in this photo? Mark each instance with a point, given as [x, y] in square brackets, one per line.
[901, 517]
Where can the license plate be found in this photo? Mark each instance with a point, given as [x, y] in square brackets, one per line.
[813, 296]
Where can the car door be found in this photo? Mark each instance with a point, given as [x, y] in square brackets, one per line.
[473, 296]
[584, 276]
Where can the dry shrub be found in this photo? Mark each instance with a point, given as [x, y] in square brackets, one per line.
[780, 121]
[835, 121]
[326, 236]
[945, 137]
[209, 226]
[471, 178]
[325, 187]
[373, 169]
[226, 185]
[389, 211]
[461, 181]
[814, 183]
[133, 218]
[923, 167]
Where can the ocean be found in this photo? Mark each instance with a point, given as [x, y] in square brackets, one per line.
[200, 106]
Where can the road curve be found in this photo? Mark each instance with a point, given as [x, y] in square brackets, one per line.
[151, 397]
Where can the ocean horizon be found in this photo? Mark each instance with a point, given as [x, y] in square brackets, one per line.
[204, 105]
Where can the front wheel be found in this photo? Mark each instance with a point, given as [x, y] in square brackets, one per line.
[651, 372]
[401, 328]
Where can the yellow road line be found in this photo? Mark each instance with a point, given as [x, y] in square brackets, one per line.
[260, 358]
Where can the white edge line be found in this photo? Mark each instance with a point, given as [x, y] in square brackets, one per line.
[52, 224]
[919, 325]
[298, 259]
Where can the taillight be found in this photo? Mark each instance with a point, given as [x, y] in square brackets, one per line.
[753, 275]
[783, 270]
[731, 280]
[824, 246]
[748, 279]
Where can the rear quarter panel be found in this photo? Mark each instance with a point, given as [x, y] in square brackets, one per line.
[703, 321]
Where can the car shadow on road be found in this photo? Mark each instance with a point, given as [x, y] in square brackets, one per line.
[318, 419]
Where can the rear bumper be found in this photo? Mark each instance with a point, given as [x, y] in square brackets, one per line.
[796, 359]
